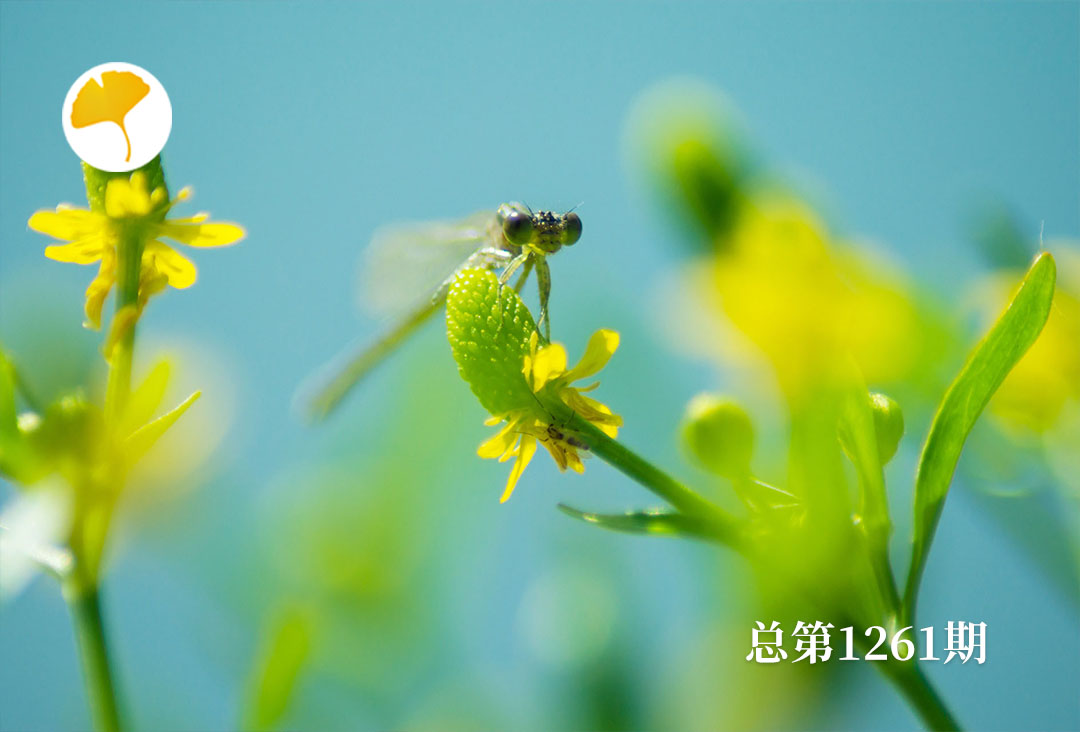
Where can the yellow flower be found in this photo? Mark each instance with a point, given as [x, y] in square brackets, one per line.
[546, 374]
[92, 237]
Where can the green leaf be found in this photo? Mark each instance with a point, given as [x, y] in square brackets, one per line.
[1011, 336]
[9, 426]
[145, 400]
[140, 441]
[655, 521]
[286, 648]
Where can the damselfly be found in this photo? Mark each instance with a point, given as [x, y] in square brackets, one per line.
[414, 264]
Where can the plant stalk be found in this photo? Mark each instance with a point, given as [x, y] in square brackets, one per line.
[723, 525]
[912, 683]
[128, 268]
[85, 603]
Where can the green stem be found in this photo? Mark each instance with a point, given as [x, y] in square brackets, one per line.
[81, 587]
[723, 525]
[878, 546]
[85, 603]
[129, 251]
[921, 695]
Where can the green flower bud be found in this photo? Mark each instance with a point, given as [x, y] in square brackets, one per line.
[707, 185]
[719, 434]
[888, 425]
[685, 136]
[888, 428]
[489, 328]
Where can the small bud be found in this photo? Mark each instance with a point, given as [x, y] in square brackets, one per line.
[707, 184]
[686, 137]
[888, 425]
[888, 428]
[719, 435]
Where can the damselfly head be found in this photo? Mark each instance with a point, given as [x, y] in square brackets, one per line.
[544, 230]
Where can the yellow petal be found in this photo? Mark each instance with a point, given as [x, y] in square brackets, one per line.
[139, 182]
[67, 224]
[525, 454]
[499, 444]
[549, 363]
[601, 346]
[558, 452]
[196, 219]
[122, 322]
[99, 289]
[151, 282]
[201, 235]
[84, 251]
[593, 411]
[574, 461]
[175, 266]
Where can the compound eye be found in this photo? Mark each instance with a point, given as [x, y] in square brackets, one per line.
[572, 228]
[517, 227]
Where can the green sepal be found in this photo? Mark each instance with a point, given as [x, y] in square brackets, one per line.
[488, 327]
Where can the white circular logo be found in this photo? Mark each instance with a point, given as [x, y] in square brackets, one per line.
[117, 117]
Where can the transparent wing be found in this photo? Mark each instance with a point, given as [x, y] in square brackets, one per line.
[405, 263]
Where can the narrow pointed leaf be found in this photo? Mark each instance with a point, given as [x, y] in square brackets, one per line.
[655, 521]
[277, 670]
[144, 438]
[9, 428]
[1008, 340]
[146, 399]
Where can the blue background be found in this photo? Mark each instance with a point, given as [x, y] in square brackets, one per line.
[313, 124]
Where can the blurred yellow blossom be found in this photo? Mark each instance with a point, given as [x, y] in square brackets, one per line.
[805, 302]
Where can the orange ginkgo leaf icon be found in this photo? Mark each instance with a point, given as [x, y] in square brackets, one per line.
[118, 93]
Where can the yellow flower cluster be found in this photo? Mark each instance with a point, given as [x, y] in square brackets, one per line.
[131, 207]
